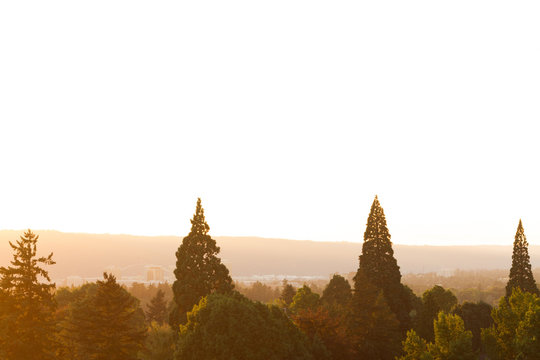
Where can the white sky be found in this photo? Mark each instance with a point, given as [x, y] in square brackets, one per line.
[286, 117]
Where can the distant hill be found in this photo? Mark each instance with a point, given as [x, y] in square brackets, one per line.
[88, 255]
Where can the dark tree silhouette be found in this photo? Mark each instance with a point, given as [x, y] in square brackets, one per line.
[27, 305]
[224, 327]
[157, 309]
[107, 324]
[338, 291]
[379, 265]
[476, 316]
[520, 273]
[434, 300]
[199, 272]
[374, 325]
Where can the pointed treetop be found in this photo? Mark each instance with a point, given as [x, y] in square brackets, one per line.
[520, 227]
[520, 237]
[376, 224]
[521, 275]
[198, 223]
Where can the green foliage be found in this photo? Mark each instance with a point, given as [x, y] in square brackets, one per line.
[378, 263]
[476, 316]
[225, 327]
[516, 332]
[520, 273]
[304, 299]
[159, 343]
[287, 293]
[415, 348]
[199, 271]
[372, 322]
[338, 291]
[452, 341]
[104, 324]
[27, 305]
[433, 301]
[157, 309]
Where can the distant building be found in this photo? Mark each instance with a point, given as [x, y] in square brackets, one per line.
[155, 273]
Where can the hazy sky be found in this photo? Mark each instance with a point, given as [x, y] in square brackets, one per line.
[285, 117]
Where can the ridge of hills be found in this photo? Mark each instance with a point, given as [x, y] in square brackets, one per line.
[88, 255]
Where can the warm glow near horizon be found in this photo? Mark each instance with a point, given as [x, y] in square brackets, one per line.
[285, 117]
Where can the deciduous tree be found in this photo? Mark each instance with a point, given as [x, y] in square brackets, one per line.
[224, 327]
[434, 300]
[452, 341]
[516, 330]
[304, 299]
[287, 293]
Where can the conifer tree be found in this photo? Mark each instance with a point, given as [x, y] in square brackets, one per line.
[157, 309]
[199, 271]
[372, 322]
[27, 305]
[378, 263]
[107, 324]
[521, 274]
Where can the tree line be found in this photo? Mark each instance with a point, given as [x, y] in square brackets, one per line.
[378, 317]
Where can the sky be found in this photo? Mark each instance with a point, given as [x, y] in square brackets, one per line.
[285, 117]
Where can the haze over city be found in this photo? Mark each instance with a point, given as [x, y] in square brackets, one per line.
[236, 110]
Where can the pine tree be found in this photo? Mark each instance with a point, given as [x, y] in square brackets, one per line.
[199, 272]
[378, 263]
[157, 309]
[27, 305]
[521, 274]
[107, 324]
[338, 291]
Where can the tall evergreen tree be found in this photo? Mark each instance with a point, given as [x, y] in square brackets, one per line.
[199, 271]
[107, 324]
[521, 274]
[379, 265]
[372, 324]
[157, 309]
[27, 305]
